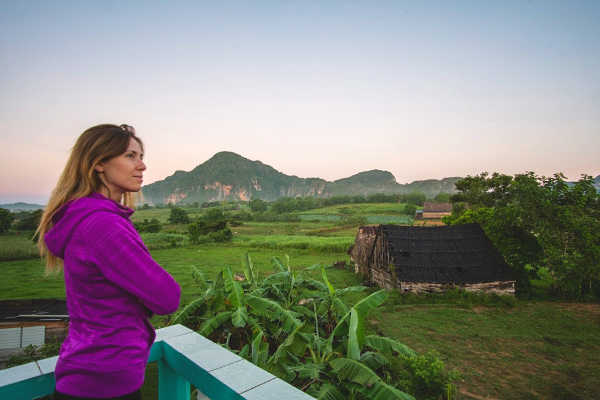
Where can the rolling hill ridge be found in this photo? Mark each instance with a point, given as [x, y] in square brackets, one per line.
[229, 176]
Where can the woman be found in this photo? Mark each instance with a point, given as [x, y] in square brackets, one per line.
[112, 283]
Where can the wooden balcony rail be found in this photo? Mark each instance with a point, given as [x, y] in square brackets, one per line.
[184, 357]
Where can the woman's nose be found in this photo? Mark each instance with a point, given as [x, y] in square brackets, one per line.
[141, 166]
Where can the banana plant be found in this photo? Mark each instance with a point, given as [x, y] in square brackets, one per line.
[331, 304]
[301, 330]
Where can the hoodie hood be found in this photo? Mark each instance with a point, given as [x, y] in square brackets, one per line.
[71, 214]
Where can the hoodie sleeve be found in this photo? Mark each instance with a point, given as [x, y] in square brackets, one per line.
[124, 260]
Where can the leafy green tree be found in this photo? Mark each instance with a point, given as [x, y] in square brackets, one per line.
[6, 218]
[283, 205]
[416, 198]
[152, 225]
[410, 209]
[537, 222]
[30, 221]
[214, 215]
[211, 227]
[442, 197]
[178, 216]
[258, 205]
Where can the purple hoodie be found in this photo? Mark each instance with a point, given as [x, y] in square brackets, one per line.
[112, 285]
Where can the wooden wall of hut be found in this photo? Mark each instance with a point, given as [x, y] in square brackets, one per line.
[362, 249]
[435, 215]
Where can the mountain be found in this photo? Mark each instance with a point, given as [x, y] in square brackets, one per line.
[229, 176]
[15, 207]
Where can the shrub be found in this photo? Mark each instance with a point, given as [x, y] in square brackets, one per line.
[410, 209]
[302, 330]
[211, 227]
[223, 235]
[30, 221]
[425, 376]
[6, 218]
[178, 216]
[258, 205]
[152, 226]
[355, 220]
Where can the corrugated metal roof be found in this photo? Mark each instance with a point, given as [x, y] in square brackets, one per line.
[33, 309]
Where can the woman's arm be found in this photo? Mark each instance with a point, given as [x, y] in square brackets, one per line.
[123, 259]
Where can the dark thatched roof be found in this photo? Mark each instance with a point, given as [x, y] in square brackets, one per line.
[446, 254]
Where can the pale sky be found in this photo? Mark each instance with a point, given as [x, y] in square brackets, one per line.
[424, 90]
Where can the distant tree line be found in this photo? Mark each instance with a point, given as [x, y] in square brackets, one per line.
[19, 221]
[291, 204]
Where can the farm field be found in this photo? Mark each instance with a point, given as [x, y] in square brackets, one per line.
[503, 348]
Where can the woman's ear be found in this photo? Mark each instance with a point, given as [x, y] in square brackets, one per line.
[99, 168]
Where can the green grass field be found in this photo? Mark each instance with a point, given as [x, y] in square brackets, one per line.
[503, 348]
[17, 246]
[525, 350]
[359, 209]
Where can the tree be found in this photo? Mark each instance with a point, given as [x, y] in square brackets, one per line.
[258, 205]
[537, 222]
[416, 198]
[153, 226]
[211, 227]
[442, 197]
[178, 216]
[283, 205]
[30, 221]
[410, 209]
[6, 218]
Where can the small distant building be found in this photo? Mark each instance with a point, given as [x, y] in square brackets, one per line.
[431, 259]
[433, 210]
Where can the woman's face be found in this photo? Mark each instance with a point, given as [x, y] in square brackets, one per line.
[123, 173]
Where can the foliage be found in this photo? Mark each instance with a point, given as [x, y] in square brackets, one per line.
[537, 222]
[17, 246]
[211, 227]
[410, 209]
[272, 217]
[34, 353]
[214, 215]
[302, 330]
[442, 197]
[353, 220]
[29, 221]
[415, 198]
[425, 376]
[258, 205]
[286, 241]
[178, 216]
[6, 218]
[152, 225]
[163, 240]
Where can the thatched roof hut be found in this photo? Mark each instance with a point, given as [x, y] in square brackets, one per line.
[425, 259]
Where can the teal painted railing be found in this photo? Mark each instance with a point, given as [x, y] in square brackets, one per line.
[183, 357]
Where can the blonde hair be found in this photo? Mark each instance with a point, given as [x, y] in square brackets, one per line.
[97, 144]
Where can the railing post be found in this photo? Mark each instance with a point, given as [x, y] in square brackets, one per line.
[171, 385]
